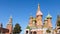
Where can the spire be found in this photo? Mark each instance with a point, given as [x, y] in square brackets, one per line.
[38, 10]
[10, 20]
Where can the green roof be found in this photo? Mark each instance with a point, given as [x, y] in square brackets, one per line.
[45, 18]
[27, 27]
[49, 16]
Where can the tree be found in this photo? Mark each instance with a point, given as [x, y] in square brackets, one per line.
[17, 29]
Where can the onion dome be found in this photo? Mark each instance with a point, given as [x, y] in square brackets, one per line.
[49, 16]
[28, 27]
[45, 19]
[38, 11]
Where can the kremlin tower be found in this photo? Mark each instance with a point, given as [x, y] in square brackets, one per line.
[8, 29]
[9, 26]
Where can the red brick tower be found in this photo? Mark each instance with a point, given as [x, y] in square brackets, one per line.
[9, 25]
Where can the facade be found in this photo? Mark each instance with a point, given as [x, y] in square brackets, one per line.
[36, 26]
[8, 29]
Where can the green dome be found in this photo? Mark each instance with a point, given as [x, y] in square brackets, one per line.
[45, 18]
[49, 16]
[27, 27]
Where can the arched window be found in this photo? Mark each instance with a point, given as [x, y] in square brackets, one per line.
[26, 32]
[30, 32]
[34, 32]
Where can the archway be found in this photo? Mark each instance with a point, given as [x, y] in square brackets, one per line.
[34, 32]
[26, 32]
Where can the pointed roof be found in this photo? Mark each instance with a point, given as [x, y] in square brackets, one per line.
[49, 16]
[10, 20]
[38, 10]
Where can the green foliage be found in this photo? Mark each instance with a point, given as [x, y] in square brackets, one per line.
[17, 29]
[48, 31]
[27, 27]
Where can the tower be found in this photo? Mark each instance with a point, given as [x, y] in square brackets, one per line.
[45, 23]
[58, 22]
[9, 25]
[49, 17]
[58, 25]
[39, 17]
[30, 21]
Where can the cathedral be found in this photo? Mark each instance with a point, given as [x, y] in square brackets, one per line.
[36, 26]
[8, 29]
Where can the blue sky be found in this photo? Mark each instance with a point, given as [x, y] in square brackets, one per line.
[22, 9]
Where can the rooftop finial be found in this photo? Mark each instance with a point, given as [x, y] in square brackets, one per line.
[38, 6]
